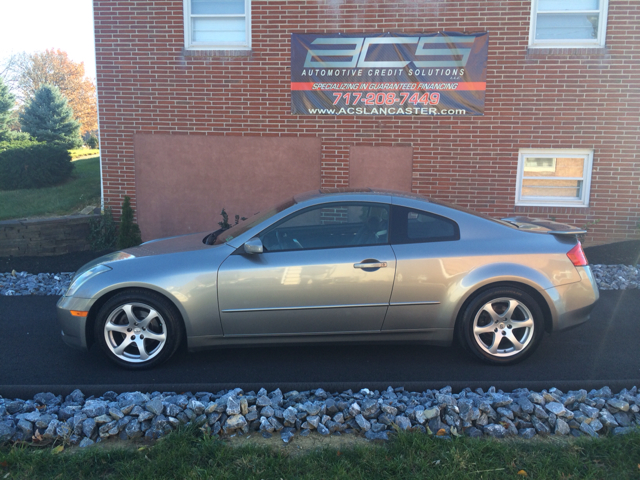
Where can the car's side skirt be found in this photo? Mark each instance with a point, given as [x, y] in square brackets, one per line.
[430, 336]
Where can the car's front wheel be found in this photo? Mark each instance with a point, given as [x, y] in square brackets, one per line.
[502, 325]
[138, 329]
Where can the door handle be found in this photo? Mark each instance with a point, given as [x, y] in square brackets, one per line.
[370, 265]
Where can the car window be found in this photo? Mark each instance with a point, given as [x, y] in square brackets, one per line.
[330, 226]
[415, 226]
[252, 221]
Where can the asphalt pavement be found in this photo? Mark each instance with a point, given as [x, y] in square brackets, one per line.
[604, 351]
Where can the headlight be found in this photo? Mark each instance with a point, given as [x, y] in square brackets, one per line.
[79, 280]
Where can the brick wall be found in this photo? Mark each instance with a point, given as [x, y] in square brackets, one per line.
[556, 98]
[47, 236]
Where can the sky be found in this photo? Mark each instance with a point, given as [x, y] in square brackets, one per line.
[39, 25]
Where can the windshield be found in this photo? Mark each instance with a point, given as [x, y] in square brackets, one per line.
[228, 235]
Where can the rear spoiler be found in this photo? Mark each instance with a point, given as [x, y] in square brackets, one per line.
[539, 225]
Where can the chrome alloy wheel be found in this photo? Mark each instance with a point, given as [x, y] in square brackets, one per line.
[135, 332]
[503, 327]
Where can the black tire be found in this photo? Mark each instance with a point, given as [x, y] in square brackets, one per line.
[124, 321]
[507, 315]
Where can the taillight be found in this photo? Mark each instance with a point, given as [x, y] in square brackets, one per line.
[577, 256]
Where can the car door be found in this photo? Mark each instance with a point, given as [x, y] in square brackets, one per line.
[429, 262]
[326, 269]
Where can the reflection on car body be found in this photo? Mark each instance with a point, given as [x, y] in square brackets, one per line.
[333, 266]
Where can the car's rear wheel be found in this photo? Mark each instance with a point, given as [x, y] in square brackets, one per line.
[502, 325]
[138, 329]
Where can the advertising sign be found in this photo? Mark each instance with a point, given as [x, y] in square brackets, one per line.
[388, 74]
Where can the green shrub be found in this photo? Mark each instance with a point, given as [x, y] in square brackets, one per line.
[129, 231]
[103, 231]
[9, 136]
[33, 165]
[92, 141]
[17, 142]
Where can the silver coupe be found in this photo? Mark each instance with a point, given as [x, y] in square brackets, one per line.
[337, 266]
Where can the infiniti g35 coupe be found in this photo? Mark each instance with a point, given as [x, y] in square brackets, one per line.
[337, 266]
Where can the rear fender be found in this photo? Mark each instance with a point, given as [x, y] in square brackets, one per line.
[507, 274]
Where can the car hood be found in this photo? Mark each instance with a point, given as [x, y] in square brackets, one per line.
[162, 246]
[182, 243]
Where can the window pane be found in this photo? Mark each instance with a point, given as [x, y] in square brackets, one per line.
[219, 30]
[330, 226]
[570, 26]
[561, 5]
[217, 7]
[425, 227]
[553, 167]
[552, 188]
[547, 165]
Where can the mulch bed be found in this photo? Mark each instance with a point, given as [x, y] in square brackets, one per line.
[626, 253]
[69, 262]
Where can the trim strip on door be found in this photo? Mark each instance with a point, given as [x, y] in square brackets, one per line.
[402, 304]
[315, 307]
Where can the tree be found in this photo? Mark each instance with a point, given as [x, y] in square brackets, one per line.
[48, 118]
[7, 102]
[29, 72]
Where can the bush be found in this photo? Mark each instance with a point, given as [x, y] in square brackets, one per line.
[10, 136]
[17, 142]
[92, 141]
[102, 231]
[33, 165]
[128, 232]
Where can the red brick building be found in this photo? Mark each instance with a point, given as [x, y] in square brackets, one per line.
[195, 111]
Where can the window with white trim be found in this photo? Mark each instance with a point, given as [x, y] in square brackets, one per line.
[568, 23]
[217, 24]
[553, 177]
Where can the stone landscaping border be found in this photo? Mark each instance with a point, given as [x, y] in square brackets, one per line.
[77, 420]
[44, 236]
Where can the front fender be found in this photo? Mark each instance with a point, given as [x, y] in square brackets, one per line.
[187, 279]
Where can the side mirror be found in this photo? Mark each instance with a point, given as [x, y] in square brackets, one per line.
[253, 246]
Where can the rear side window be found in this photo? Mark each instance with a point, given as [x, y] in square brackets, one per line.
[416, 226]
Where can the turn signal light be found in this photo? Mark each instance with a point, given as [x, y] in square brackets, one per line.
[577, 256]
[79, 313]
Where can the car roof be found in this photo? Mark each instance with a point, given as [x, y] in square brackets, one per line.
[355, 191]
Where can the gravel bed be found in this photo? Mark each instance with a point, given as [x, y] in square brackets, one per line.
[372, 414]
[608, 277]
[616, 277]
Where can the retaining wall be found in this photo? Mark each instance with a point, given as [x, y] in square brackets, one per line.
[44, 236]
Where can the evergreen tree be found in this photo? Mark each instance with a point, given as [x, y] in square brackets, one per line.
[48, 118]
[128, 232]
[7, 101]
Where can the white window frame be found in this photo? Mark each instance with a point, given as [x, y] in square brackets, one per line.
[191, 45]
[583, 201]
[569, 42]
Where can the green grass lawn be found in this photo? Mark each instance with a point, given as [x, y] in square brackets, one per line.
[187, 455]
[82, 189]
